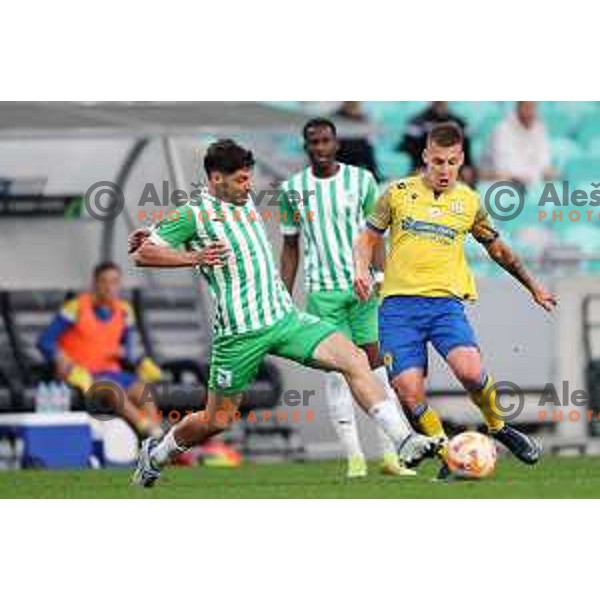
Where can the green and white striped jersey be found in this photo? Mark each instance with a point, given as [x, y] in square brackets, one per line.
[247, 290]
[329, 213]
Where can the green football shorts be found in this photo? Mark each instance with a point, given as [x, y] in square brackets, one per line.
[235, 359]
[355, 319]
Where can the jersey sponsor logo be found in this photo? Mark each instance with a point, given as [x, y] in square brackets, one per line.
[429, 229]
[224, 378]
[435, 212]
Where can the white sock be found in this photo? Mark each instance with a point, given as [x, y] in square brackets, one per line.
[387, 415]
[341, 412]
[385, 443]
[166, 449]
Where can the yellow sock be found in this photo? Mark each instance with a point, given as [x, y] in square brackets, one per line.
[430, 424]
[485, 399]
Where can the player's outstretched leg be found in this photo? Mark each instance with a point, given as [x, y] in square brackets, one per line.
[343, 418]
[467, 366]
[390, 464]
[339, 354]
[221, 412]
[341, 411]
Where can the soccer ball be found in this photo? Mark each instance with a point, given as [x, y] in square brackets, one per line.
[471, 455]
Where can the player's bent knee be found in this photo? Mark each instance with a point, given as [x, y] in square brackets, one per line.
[471, 378]
[222, 420]
[219, 426]
[410, 394]
[355, 363]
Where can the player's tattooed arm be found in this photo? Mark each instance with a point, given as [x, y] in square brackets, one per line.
[500, 252]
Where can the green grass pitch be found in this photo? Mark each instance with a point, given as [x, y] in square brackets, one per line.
[577, 477]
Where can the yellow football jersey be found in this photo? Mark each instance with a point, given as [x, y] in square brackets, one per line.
[426, 255]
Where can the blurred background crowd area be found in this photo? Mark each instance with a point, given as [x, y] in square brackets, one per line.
[529, 143]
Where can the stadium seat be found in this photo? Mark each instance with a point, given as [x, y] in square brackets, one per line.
[475, 113]
[533, 240]
[588, 129]
[487, 124]
[12, 388]
[559, 123]
[29, 312]
[393, 165]
[393, 115]
[563, 150]
[168, 322]
[478, 146]
[387, 141]
[585, 237]
[593, 147]
[583, 168]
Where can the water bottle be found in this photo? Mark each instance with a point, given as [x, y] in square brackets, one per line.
[42, 398]
[65, 397]
[54, 403]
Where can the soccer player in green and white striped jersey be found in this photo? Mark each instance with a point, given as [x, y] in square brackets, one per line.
[254, 314]
[331, 202]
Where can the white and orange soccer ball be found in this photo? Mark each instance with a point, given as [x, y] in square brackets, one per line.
[471, 455]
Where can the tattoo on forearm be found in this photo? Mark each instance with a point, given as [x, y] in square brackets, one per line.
[512, 264]
[484, 232]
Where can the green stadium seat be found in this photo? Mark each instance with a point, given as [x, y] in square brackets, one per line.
[583, 235]
[284, 104]
[393, 115]
[583, 168]
[559, 123]
[532, 239]
[581, 108]
[588, 129]
[388, 140]
[475, 112]
[593, 147]
[393, 165]
[478, 259]
[290, 145]
[488, 124]
[478, 146]
[563, 150]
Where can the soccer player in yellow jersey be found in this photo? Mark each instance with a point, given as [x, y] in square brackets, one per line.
[428, 280]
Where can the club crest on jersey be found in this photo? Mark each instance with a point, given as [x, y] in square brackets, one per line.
[308, 319]
[457, 207]
[224, 378]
